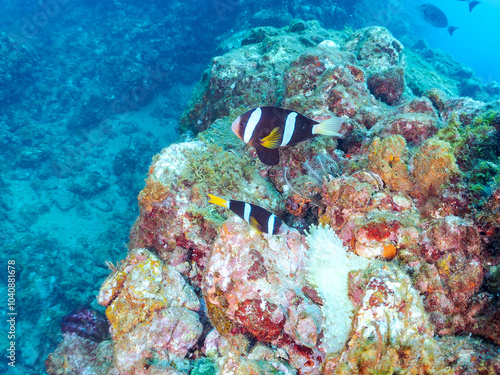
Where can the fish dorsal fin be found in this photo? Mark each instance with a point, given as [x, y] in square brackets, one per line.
[255, 224]
[272, 140]
[267, 155]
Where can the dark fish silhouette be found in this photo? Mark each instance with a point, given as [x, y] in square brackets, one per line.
[472, 4]
[435, 16]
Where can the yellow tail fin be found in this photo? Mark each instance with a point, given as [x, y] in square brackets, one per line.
[330, 126]
[218, 201]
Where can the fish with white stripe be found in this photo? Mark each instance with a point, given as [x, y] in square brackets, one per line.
[257, 217]
[269, 128]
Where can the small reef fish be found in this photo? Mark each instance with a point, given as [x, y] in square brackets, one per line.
[435, 16]
[472, 4]
[268, 128]
[257, 217]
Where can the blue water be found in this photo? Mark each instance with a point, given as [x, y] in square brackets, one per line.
[475, 42]
[90, 91]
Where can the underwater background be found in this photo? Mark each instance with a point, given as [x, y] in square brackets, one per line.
[91, 91]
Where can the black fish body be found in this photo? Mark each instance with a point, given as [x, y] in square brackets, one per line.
[269, 128]
[260, 122]
[258, 217]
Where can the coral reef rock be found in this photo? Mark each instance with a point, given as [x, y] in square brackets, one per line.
[256, 291]
[78, 355]
[176, 221]
[144, 298]
[391, 330]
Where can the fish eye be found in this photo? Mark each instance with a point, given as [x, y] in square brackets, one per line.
[242, 124]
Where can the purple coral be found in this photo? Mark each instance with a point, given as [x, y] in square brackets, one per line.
[86, 323]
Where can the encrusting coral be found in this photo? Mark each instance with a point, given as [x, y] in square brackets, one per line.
[389, 159]
[176, 220]
[257, 291]
[433, 166]
[373, 221]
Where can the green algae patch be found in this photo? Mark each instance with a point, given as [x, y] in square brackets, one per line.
[475, 147]
[223, 167]
[477, 140]
[204, 366]
[217, 169]
[220, 131]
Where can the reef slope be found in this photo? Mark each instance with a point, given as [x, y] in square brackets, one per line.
[412, 187]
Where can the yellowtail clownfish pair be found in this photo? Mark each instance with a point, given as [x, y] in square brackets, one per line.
[269, 128]
[257, 217]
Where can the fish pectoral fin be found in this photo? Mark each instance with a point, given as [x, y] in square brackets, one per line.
[218, 201]
[269, 156]
[272, 140]
[330, 127]
[255, 224]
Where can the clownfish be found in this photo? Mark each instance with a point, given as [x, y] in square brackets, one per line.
[257, 217]
[268, 128]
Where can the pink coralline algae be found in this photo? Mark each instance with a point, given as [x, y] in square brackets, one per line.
[388, 85]
[411, 188]
[382, 56]
[256, 291]
[374, 222]
[338, 87]
[176, 221]
[415, 121]
[452, 247]
[144, 297]
[444, 255]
